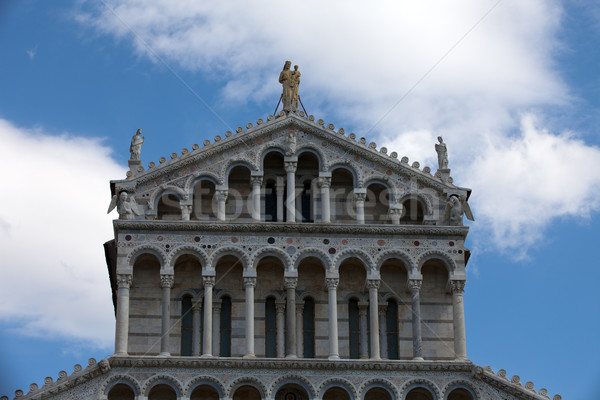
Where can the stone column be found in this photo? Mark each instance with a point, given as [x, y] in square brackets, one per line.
[460, 340]
[216, 348]
[279, 192]
[325, 183]
[363, 349]
[383, 330]
[256, 183]
[359, 199]
[290, 287]
[332, 284]
[299, 329]
[314, 204]
[122, 324]
[249, 283]
[186, 209]
[221, 197]
[415, 286]
[290, 169]
[374, 317]
[209, 282]
[166, 282]
[196, 308]
[280, 309]
[395, 213]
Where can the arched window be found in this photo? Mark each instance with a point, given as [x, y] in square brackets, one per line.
[412, 212]
[460, 393]
[308, 328]
[225, 327]
[204, 201]
[391, 320]
[121, 391]
[162, 392]
[187, 326]
[247, 392]
[420, 393]
[377, 204]
[353, 328]
[204, 392]
[378, 393]
[270, 328]
[341, 202]
[168, 207]
[239, 198]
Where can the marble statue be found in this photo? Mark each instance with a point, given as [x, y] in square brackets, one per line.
[136, 145]
[290, 144]
[455, 209]
[442, 153]
[126, 206]
[290, 80]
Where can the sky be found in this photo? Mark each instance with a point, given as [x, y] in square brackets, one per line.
[512, 86]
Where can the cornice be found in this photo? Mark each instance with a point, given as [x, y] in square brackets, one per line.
[308, 228]
[277, 124]
[508, 386]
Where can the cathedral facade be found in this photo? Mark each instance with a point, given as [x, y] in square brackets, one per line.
[287, 260]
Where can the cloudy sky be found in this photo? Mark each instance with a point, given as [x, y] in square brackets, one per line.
[513, 87]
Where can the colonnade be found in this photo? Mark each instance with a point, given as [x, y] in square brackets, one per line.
[292, 319]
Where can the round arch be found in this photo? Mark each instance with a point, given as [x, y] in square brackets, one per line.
[379, 383]
[208, 381]
[357, 253]
[179, 251]
[396, 254]
[163, 380]
[424, 200]
[273, 252]
[201, 176]
[337, 383]
[314, 151]
[383, 181]
[292, 379]
[236, 163]
[229, 251]
[468, 386]
[124, 380]
[421, 383]
[312, 252]
[270, 148]
[156, 251]
[347, 168]
[437, 255]
[247, 381]
[166, 189]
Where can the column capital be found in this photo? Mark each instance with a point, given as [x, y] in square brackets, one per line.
[324, 181]
[358, 197]
[222, 194]
[280, 307]
[395, 210]
[373, 283]
[382, 308]
[124, 281]
[197, 305]
[166, 281]
[332, 283]
[415, 284]
[208, 281]
[290, 282]
[290, 166]
[249, 281]
[457, 287]
[256, 180]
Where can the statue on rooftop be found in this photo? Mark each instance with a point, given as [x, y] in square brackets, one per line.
[136, 145]
[442, 153]
[290, 80]
[126, 206]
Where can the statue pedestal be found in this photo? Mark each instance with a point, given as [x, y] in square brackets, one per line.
[444, 174]
[135, 167]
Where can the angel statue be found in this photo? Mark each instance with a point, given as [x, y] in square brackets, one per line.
[455, 208]
[126, 206]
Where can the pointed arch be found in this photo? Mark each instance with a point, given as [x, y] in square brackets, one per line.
[179, 251]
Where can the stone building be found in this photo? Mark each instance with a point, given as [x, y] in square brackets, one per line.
[287, 260]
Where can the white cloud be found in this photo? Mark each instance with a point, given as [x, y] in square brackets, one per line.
[53, 218]
[360, 63]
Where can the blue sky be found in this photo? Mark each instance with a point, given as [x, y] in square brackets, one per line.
[513, 87]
